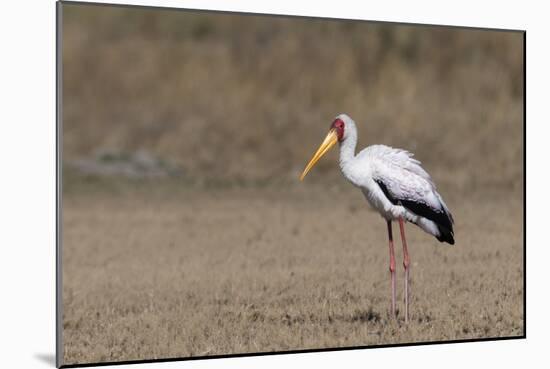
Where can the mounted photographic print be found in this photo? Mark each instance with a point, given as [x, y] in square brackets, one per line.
[236, 184]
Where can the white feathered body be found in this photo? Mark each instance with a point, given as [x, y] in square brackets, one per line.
[395, 184]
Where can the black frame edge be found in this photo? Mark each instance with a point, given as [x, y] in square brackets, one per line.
[58, 184]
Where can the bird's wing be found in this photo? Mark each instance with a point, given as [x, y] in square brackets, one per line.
[397, 158]
[406, 183]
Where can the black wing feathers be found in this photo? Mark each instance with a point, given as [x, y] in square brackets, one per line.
[439, 216]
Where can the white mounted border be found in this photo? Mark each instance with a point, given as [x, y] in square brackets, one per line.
[27, 154]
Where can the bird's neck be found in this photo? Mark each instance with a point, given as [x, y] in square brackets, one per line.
[347, 150]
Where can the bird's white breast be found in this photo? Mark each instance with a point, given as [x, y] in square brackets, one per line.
[358, 171]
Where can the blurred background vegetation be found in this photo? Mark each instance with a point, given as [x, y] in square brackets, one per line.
[247, 98]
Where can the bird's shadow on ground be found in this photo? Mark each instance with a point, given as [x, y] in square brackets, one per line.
[46, 358]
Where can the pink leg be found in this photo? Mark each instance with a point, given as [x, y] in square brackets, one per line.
[392, 269]
[406, 265]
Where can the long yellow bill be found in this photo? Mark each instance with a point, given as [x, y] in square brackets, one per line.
[329, 141]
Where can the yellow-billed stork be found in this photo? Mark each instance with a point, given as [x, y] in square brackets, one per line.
[395, 185]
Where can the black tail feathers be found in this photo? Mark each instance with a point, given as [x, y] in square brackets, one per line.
[445, 235]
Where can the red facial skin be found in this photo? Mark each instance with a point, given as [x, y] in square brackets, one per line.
[338, 125]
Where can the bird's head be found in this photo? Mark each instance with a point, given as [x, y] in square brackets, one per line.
[340, 129]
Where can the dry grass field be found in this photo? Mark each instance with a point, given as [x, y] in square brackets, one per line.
[178, 273]
[185, 230]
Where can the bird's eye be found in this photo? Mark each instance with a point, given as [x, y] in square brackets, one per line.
[338, 124]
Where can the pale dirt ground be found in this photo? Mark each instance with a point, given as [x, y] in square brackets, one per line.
[151, 275]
